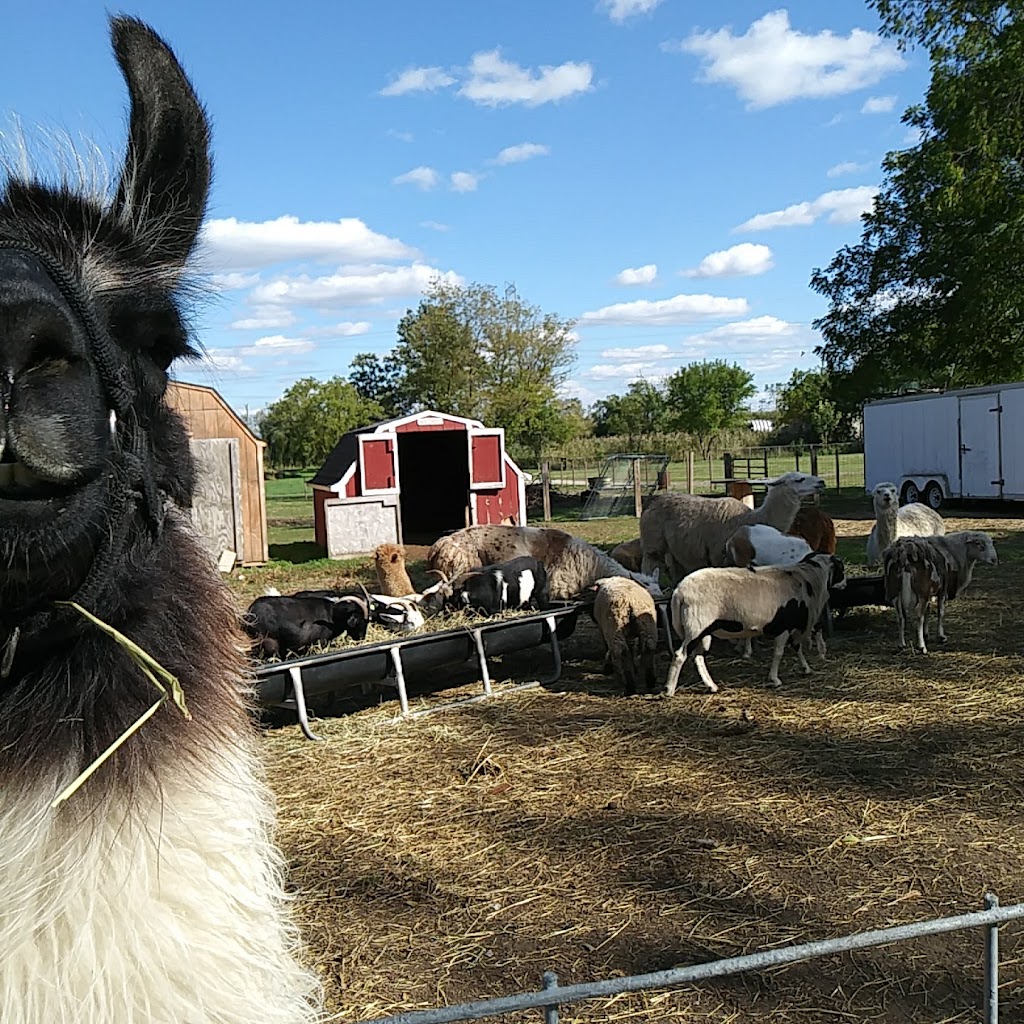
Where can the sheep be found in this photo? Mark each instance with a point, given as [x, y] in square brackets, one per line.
[681, 533]
[516, 585]
[893, 522]
[392, 577]
[782, 602]
[628, 554]
[816, 528]
[155, 890]
[918, 569]
[572, 564]
[289, 625]
[624, 612]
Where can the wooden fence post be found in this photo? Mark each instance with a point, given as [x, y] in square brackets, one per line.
[545, 480]
[839, 486]
[638, 493]
[796, 455]
[689, 472]
[814, 461]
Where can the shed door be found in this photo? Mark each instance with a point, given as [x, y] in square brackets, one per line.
[378, 463]
[217, 504]
[979, 446]
[486, 458]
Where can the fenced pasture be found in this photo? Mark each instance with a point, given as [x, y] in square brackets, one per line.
[572, 829]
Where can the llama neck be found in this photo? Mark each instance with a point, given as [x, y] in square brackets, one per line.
[886, 518]
[780, 507]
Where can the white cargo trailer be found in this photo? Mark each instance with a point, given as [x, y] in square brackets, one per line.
[953, 444]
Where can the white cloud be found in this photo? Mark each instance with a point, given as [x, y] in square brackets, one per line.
[620, 10]
[517, 154]
[418, 80]
[843, 207]
[433, 225]
[394, 133]
[351, 286]
[878, 105]
[639, 352]
[912, 137]
[265, 318]
[637, 275]
[756, 329]
[627, 371]
[846, 167]
[677, 310]
[215, 360]
[464, 181]
[230, 243]
[233, 281]
[577, 389]
[494, 81]
[275, 344]
[743, 260]
[424, 178]
[346, 329]
[772, 63]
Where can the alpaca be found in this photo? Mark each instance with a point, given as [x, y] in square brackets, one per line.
[154, 892]
[893, 522]
[392, 576]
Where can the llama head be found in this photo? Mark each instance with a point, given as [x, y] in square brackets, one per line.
[90, 320]
[885, 495]
[804, 485]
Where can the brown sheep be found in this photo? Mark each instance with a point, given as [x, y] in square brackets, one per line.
[816, 528]
[626, 616]
[392, 577]
[628, 554]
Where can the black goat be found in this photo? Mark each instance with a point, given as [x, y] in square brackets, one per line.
[283, 625]
[517, 585]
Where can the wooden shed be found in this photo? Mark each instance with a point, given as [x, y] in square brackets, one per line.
[408, 480]
[230, 508]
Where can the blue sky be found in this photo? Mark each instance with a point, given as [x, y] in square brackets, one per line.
[667, 172]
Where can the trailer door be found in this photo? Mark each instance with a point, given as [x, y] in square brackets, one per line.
[980, 475]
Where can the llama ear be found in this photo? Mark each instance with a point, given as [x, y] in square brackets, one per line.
[166, 176]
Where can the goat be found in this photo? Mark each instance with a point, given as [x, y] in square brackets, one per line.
[572, 564]
[516, 585]
[283, 625]
[684, 532]
[781, 602]
[816, 528]
[859, 592]
[918, 569]
[397, 614]
[154, 892]
[626, 616]
[893, 522]
[392, 577]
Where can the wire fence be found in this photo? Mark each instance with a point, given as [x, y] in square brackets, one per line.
[553, 995]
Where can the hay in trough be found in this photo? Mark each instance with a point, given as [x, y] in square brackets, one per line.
[571, 828]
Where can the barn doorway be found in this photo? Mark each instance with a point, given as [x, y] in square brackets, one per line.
[433, 470]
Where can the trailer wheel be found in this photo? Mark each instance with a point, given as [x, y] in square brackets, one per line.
[910, 493]
[933, 495]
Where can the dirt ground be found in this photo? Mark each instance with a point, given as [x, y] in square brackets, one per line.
[570, 828]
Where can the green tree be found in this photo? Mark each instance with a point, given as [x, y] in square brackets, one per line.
[931, 295]
[380, 379]
[470, 351]
[637, 414]
[707, 398]
[304, 425]
[804, 404]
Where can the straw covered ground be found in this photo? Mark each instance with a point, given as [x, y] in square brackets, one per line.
[462, 854]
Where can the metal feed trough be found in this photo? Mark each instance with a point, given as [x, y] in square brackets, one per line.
[291, 684]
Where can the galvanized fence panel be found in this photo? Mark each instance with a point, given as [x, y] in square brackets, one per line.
[552, 995]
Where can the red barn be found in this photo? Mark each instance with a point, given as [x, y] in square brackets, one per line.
[410, 479]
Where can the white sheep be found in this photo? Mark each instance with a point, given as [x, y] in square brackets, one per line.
[781, 602]
[893, 522]
[573, 565]
[624, 612]
[918, 569]
[681, 533]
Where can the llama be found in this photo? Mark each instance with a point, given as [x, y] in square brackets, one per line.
[154, 892]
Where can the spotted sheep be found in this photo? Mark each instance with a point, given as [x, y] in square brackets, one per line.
[783, 603]
[919, 570]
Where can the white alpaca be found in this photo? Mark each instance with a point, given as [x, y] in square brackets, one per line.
[892, 522]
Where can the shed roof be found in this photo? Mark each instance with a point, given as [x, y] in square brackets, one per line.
[346, 451]
[243, 426]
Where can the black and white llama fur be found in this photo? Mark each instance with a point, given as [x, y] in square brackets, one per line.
[155, 893]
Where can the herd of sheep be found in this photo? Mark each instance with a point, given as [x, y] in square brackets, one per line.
[734, 573]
